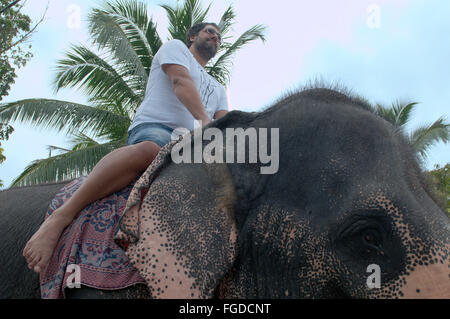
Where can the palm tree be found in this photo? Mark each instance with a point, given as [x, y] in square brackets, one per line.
[421, 138]
[5, 131]
[114, 79]
[2, 159]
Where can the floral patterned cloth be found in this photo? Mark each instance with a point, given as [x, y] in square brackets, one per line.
[88, 243]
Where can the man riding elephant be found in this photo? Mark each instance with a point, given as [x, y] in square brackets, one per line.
[179, 91]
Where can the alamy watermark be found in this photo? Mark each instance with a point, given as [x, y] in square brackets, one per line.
[74, 18]
[74, 279]
[374, 16]
[374, 280]
[250, 145]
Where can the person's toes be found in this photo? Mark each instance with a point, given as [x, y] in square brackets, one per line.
[41, 264]
[37, 269]
[29, 256]
[26, 251]
[30, 262]
[33, 260]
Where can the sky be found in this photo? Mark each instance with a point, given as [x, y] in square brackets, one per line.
[382, 50]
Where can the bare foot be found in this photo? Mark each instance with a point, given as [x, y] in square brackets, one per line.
[39, 248]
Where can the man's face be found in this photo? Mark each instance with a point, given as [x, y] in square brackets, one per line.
[207, 42]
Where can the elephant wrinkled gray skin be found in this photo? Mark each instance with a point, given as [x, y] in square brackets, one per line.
[348, 195]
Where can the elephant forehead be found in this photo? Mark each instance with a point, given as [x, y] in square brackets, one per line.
[282, 234]
[297, 251]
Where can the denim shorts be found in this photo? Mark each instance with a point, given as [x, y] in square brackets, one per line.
[155, 132]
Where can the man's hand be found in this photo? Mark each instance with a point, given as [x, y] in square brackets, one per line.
[219, 114]
[186, 91]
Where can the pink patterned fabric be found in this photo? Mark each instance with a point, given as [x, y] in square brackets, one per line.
[88, 242]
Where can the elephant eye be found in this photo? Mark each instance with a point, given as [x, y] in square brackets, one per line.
[371, 238]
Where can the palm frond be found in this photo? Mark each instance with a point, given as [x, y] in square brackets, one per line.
[65, 166]
[2, 157]
[181, 18]
[403, 113]
[398, 114]
[5, 131]
[154, 41]
[118, 129]
[113, 106]
[80, 140]
[59, 115]
[220, 69]
[226, 21]
[114, 131]
[385, 113]
[122, 28]
[426, 136]
[83, 68]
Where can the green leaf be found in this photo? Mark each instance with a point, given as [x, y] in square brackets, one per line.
[83, 68]
[66, 166]
[59, 115]
[399, 114]
[226, 21]
[5, 131]
[423, 137]
[123, 28]
[80, 140]
[181, 18]
[220, 68]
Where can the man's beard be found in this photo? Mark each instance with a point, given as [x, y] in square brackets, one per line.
[206, 48]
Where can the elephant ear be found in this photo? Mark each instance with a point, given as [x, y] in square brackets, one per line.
[180, 227]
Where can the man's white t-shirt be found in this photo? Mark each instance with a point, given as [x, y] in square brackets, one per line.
[161, 105]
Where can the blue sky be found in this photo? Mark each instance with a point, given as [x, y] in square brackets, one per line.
[382, 50]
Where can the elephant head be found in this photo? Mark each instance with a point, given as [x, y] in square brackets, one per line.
[346, 214]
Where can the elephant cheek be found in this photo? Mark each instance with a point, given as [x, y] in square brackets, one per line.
[152, 256]
[176, 286]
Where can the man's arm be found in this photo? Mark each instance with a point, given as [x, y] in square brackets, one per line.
[186, 90]
[219, 114]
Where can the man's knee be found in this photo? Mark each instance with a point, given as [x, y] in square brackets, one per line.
[146, 152]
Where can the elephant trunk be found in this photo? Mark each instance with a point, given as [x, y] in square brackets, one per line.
[431, 281]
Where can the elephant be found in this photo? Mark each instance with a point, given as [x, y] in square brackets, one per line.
[346, 214]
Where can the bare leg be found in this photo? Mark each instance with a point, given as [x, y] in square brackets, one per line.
[112, 173]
